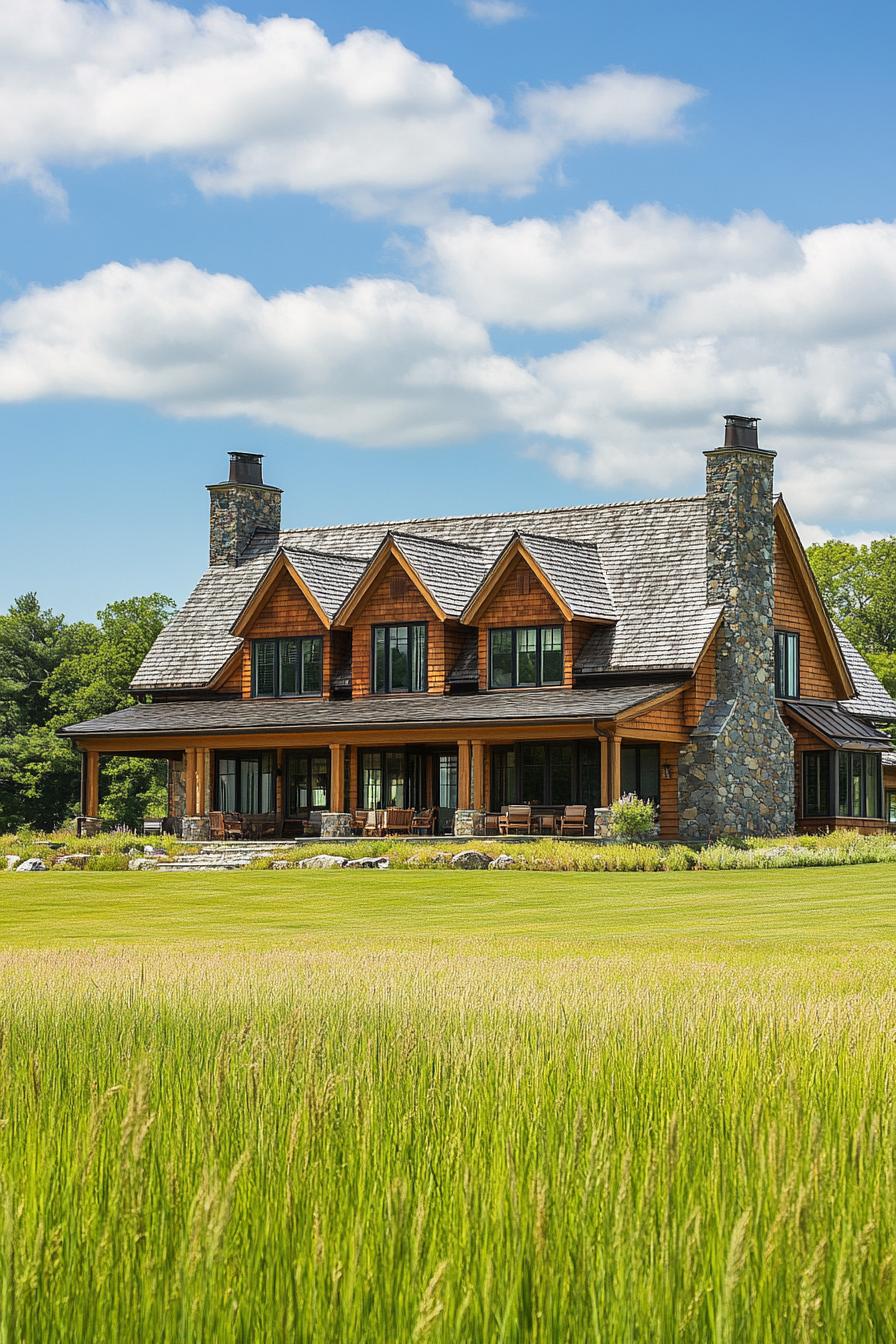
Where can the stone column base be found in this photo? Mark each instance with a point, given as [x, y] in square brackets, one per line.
[602, 818]
[469, 821]
[88, 826]
[194, 828]
[336, 826]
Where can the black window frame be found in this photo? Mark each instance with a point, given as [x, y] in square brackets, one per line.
[890, 806]
[389, 627]
[305, 758]
[640, 750]
[515, 631]
[276, 641]
[260, 757]
[586, 765]
[787, 642]
[824, 761]
[847, 774]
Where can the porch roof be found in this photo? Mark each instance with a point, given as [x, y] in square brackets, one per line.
[188, 717]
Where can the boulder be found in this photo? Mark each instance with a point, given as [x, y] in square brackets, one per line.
[12, 861]
[367, 863]
[323, 861]
[280, 864]
[72, 860]
[502, 861]
[32, 866]
[153, 852]
[138, 865]
[470, 858]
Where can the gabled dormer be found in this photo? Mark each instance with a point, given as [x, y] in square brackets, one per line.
[534, 610]
[285, 626]
[403, 614]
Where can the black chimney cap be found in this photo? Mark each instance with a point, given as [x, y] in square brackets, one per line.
[245, 468]
[742, 431]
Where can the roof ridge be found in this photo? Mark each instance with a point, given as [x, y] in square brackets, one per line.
[329, 555]
[390, 526]
[435, 541]
[564, 541]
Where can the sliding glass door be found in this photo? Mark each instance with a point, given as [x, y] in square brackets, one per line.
[307, 782]
[246, 782]
[550, 774]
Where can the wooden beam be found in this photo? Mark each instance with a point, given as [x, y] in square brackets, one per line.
[92, 784]
[463, 775]
[337, 777]
[615, 767]
[351, 801]
[190, 781]
[478, 800]
[604, 772]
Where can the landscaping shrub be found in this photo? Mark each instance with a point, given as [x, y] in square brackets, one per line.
[632, 818]
[681, 859]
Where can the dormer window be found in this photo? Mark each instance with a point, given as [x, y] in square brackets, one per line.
[284, 667]
[399, 658]
[530, 655]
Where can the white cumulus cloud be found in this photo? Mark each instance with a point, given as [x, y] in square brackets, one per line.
[275, 106]
[374, 363]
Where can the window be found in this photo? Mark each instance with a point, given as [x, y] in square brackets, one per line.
[641, 772]
[247, 782]
[399, 658]
[307, 781]
[787, 665]
[859, 784]
[529, 656]
[891, 806]
[545, 773]
[288, 666]
[393, 778]
[817, 784]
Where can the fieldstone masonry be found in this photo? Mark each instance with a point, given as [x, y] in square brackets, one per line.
[237, 512]
[736, 775]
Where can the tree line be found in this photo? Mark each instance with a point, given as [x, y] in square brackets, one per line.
[54, 672]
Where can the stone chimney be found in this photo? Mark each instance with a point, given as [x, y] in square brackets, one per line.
[737, 773]
[241, 506]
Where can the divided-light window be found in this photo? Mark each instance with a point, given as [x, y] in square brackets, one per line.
[787, 665]
[399, 658]
[530, 655]
[288, 666]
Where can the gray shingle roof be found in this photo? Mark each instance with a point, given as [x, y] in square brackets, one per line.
[576, 570]
[873, 700]
[466, 664]
[330, 577]
[450, 570]
[890, 760]
[397, 712]
[653, 558]
[837, 724]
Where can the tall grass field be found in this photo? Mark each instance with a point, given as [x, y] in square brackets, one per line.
[448, 1106]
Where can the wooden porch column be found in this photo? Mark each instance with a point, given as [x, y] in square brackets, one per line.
[604, 773]
[463, 776]
[615, 767]
[190, 781]
[200, 782]
[351, 802]
[478, 800]
[279, 785]
[337, 777]
[92, 784]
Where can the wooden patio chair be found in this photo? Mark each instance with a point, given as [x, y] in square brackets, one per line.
[359, 820]
[425, 822]
[574, 819]
[216, 826]
[374, 824]
[398, 820]
[153, 825]
[233, 826]
[517, 818]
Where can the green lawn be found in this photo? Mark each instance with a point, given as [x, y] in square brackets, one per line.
[398, 1106]
[537, 911]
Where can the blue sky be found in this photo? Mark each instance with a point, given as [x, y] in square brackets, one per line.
[461, 266]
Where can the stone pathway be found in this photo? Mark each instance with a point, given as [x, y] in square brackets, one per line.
[221, 857]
